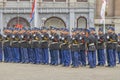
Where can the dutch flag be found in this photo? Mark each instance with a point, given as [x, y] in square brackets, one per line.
[33, 11]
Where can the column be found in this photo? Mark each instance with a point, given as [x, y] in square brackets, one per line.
[72, 20]
[91, 13]
[1, 21]
[91, 18]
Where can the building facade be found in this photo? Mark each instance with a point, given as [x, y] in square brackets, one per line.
[59, 13]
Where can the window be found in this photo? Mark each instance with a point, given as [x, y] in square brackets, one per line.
[60, 0]
[82, 0]
[54, 0]
[11, 0]
[47, 0]
[24, 0]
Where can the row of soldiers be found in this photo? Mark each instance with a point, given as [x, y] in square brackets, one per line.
[57, 46]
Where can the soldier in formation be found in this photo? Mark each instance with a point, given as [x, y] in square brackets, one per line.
[56, 46]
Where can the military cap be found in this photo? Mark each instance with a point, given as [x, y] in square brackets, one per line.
[87, 30]
[92, 29]
[100, 29]
[118, 34]
[111, 28]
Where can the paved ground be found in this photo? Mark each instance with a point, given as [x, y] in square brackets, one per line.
[13, 71]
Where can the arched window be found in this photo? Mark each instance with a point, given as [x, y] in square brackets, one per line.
[18, 20]
[55, 21]
[47, 0]
[82, 0]
[82, 22]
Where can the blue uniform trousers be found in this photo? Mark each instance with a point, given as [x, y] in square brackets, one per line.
[118, 57]
[101, 57]
[79, 58]
[25, 56]
[45, 55]
[66, 57]
[1, 54]
[16, 54]
[72, 57]
[54, 57]
[114, 54]
[37, 55]
[92, 58]
[5, 54]
[110, 57]
[83, 57]
[75, 61]
[31, 55]
[60, 56]
[10, 54]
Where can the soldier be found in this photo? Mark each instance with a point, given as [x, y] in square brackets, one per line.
[44, 45]
[65, 48]
[24, 46]
[92, 48]
[109, 47]
[82, 48]
[36, 45]
[15, 46]
[100, 47]
[54, 46]
[30, 48]
[75, 49]
[8, 57]
[115, 38]
[60, 42]
[1, 54]
[118, 48]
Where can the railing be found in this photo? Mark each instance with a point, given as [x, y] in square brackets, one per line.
[49, 5]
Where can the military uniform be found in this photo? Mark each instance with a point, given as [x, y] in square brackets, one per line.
[92, 49]
[82, 45]
[60, 42]
[115, 38]
[110, 47]
[36, 48]
[15, 47]
[65, 48]
[44, 46]
[8, 56]
[24, 44]
[54, 48]
[100, 48]
[1, 39]
[75, 49]
[118, 48]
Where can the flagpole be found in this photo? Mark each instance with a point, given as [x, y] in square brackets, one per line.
[36, 15]
[104, 24]
[103, 10]
[106, 2]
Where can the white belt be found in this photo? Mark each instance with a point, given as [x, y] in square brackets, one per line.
[54, 42]
[34, 41]
[92, 44]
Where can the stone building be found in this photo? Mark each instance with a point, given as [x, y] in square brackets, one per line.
[112, 14]
[59, 13]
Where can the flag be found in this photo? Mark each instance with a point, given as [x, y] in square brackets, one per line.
[33, 11]
[103, 8]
